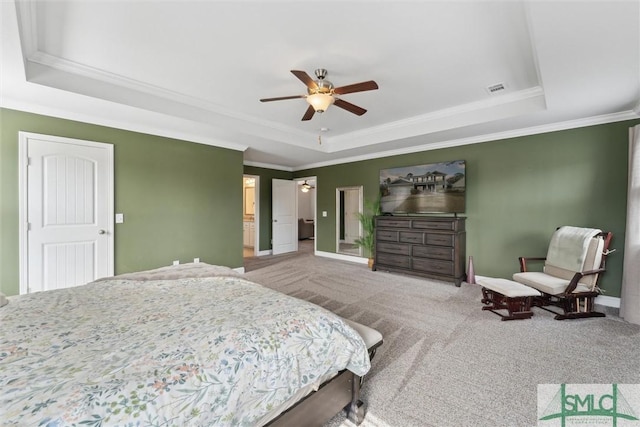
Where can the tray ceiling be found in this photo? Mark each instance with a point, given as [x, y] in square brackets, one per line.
[195, 70]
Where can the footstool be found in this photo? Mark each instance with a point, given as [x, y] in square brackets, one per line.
[503, 294]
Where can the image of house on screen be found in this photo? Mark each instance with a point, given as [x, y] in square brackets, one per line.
[432, 188]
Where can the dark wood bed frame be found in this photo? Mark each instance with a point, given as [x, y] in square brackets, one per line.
[341, 392]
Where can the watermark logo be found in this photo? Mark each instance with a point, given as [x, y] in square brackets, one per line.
[576, 405]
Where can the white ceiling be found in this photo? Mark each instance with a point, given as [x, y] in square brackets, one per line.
[195, 70]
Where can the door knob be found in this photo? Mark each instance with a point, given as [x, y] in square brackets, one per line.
[102, 232]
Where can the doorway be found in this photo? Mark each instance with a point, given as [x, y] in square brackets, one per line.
[293, 214]
[284, 226]
[250, 215]
[66, 212]
[306, 189]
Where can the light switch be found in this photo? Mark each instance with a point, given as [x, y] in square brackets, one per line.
[324, 213]
[119, 218]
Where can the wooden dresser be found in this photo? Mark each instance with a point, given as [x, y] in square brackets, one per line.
[426, 246]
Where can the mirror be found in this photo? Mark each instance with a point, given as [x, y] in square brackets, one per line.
[349, 202]
[249, 200]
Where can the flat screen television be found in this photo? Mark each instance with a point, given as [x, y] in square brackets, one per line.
[423, 189]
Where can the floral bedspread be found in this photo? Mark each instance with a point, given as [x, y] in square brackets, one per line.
[195, 351]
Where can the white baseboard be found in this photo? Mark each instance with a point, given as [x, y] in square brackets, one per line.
[608, 301]
[350, 258]
[263, 253]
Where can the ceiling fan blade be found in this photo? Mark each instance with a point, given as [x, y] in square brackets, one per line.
[308, 114]
[356, 87]
[349, 107]
[305, 78]
[281, 98]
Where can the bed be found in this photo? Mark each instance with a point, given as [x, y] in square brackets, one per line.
[188, 345]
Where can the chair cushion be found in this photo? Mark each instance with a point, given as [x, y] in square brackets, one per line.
[591, 262]
[546, 283]
[508, 288]
[569, 246]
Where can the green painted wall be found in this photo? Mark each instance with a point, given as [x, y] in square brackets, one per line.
[180, 200]
[266, 175]
[518, 191]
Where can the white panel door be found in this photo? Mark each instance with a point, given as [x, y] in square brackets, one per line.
[285, 221]
[69, 211]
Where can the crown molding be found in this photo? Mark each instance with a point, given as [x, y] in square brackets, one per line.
[204, 119]
[442, 119]
[209, 112]
[26, 11]
[491, 109]
[534, 130]
[471, 107]
[268, 166]
[132, 126]
[77, 69]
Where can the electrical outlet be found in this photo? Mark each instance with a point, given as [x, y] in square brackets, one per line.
[119, 218]
[196, 260]
[324, 213]
[176, 262]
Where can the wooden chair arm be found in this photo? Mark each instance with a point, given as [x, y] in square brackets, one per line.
[590, 272]
[573, 284]
[523, 262]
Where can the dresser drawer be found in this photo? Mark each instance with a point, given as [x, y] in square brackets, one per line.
[393, 260]
[411, 237]
[433, 252]
[439, 239]
[393, 248]
[433, 225]
[433, 266]
[393, 223]
[387, 235]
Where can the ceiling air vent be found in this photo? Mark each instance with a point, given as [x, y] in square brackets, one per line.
[499, 87]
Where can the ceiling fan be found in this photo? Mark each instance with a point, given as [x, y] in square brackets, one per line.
[321, 93]
[305, 186]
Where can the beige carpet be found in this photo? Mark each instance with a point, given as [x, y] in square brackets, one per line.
[444, 361]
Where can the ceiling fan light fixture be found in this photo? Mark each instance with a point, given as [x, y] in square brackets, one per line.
[320, 101]
[320, 94]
